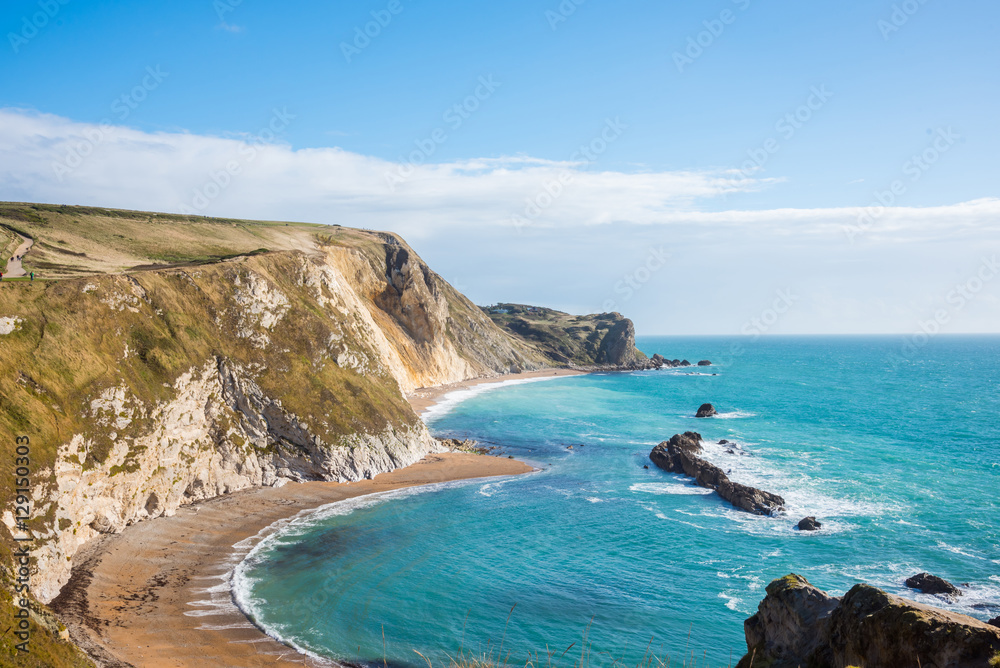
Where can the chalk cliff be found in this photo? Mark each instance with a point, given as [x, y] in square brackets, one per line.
[148, 389]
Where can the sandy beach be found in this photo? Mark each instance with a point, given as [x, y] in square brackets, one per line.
[425, 397]
[131, 598]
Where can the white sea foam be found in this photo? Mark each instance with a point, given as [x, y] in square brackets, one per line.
[980, 599]
[677, 488]
[957, 550]
[237, 586]
[804, 495]
[734, 415]
[732, 602]
[449, 401]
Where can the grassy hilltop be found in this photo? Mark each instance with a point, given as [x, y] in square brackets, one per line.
[575, 340]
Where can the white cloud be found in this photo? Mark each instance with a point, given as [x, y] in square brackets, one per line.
[725, 264]
[48, 158]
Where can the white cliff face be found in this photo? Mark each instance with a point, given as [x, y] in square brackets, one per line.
[389, 327]
[212, 439]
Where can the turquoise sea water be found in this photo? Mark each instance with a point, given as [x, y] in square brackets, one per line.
[896, 451]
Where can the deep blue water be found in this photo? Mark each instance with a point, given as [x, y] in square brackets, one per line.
[896, 451]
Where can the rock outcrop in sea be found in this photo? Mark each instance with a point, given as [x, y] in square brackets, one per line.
[809, 524]
[932, 584]
[706, 410]
[680, 455]
[799, 625]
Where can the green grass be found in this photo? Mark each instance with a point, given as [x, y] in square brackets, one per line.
[563, 338]
[47, 649]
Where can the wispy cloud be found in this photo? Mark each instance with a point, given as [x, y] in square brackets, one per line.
[723, 265]
[173, 171]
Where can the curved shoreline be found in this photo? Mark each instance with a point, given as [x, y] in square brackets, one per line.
[425, 398]
[138, 598]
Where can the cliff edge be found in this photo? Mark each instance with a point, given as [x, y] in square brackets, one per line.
[601, 340]
[180, 359]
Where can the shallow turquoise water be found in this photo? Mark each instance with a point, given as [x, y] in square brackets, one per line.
[900, 459]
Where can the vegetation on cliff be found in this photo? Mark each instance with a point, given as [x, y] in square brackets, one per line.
[602, 339]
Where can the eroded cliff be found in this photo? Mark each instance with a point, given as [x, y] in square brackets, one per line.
[146, 390]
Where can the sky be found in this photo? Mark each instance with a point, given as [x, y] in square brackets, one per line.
[722, 167]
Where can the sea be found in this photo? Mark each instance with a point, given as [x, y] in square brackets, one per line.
[602, 559]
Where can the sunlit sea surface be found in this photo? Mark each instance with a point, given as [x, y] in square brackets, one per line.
[896, 452]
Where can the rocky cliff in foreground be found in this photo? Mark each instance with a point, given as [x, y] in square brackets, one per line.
[798, 625]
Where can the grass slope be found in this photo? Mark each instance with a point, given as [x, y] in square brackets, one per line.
[566, 340]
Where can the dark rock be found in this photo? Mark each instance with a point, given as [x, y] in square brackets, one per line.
[685, 363]
[704, 363]
[798, 625]
[706, 410]
[932, 584]
[657, 360]
[723, 442]
[645, 466]
[750, 499]
[809, 524]
[730, 451]
[680, 455]
[675, 362]
[618, 345]
[994, 622]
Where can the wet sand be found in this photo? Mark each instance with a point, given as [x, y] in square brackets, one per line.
[129, 594]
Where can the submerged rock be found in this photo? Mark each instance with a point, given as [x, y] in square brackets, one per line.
[809, 524]
[705, 410]
[680, 455]
[932, 584]
[799, 625]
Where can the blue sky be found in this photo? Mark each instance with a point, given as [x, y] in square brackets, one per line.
[873, 83]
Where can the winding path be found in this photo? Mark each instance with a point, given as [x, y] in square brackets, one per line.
[14, 268]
